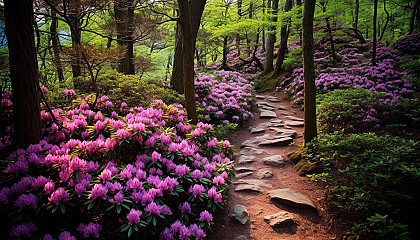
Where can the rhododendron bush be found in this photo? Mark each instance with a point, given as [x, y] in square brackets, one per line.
[109, 171]
[223, 97]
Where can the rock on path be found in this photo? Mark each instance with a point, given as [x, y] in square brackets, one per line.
[291, 197]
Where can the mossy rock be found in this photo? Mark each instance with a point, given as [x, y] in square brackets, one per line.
[304, 167]
[297, 155]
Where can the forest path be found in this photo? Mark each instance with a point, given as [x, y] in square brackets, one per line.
[261, 167]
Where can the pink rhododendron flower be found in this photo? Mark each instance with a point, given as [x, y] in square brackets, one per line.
[26, 200]
[206, 216]
[218, 180]
[133, 216]
[98, 191]
[90, 230]
[60, 195]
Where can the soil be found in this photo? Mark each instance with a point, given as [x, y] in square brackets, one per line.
[310, 223]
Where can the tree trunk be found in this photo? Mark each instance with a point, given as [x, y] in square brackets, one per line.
[271, 39]
[225, 52]
[375, 16]
[310, 129]
[330, 37]
[283, 42]
[413, 16]
[19, 20]
[356, 13]
[386, 23]
[124, 16]
[196, 8]
[188, 60]
[238, 37]
[75, 41]
[56, 46]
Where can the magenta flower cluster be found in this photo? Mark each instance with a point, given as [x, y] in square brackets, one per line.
[223, 97]
[125, 162]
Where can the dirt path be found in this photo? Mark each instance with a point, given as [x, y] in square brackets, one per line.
[252, 183]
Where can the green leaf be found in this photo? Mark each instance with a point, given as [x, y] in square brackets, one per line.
[130, 231]
[118, 209]
[125, 227]
[62, 208]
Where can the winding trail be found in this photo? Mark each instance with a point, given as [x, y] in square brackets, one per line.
[275, 130]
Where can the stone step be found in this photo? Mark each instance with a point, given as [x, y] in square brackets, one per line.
[280, 219]
[291, 197]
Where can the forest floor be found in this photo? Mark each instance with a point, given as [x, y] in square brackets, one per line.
[255, 179]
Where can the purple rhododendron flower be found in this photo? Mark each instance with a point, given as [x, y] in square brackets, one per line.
[98, 191]
[66, 236]
[23, 231]
[90, 230]
[60, 195]
[153, 208]
[206, 216]
[133, 216]
[26, 200]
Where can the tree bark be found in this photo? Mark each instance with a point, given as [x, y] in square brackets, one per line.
[271, 39]
[283, 42]
[196, 8]
[56, 46]
[76, 35]
[375, 16]
[310, 129]
[356, 13]
[188, 60]
[19, 30]
[330, 37]
[124, 16]
[386, 23]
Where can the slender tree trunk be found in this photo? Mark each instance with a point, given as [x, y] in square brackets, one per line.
[356, 13]
[414, 13]
[238, 37]
[56, 46]
[124, 16]
[375, 16]
[271, 39]
[225, 52]
[310, 129]
[263, 31]
[19, 30]
[196, 8]
[283, 42]
[188, 60]
[386, 23]
[76, 44]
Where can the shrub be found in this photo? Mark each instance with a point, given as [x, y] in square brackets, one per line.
[348, 110]
[143, 172]
[130, 89]
[223, 97]
[409, 44]
[369, 174]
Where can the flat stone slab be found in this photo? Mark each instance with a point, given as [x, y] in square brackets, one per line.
[282, 141]
[295, 123]
[264, 173]
[280, 220]
[240, 214]
[265, 108]
[251, 150]
[294, 118]
[273, 99]
[260, 96]
[248, 188]
[291, 197]
[268, 114]
[260, 104]
[257, 130]
[242, 175]
[244, 169]
[275, 161]
[276, 121]
[246, 159]
[255, 182]
[241, 237]
[280, 107]
[284, 132]
[254, 141]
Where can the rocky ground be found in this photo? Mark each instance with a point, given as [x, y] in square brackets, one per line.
[267, 198]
